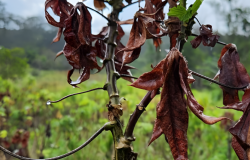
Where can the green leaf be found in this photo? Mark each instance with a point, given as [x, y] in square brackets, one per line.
[183, 14]
[196, 6]
[3, 134]
[186, 16]
[177, 11]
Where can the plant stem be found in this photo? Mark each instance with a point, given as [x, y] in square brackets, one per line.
[213, 81]
[131, 4]
[124, 75]
[49, 102]
[140, 108]
[122, 147]
[182, 35]
[183, 3]
[107, 126]
[110, 65]
[222, 43]
[98, 13]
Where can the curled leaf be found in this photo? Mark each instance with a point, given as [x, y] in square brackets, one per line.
[240, 152]
[151, 80]
[145, 26]
[241, 128]
[206, 37]
[124, 70]
[232, 73]
[240, 106]
[172, 115]
[83, 58]
[58, 36]
[99, 5]
[60, 8]
[59, 54]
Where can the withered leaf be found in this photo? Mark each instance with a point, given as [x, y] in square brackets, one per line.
[154, 79]
[83, 58]
[156, 2]
[241, 128]
[124, 70]
[192, 103]
[136, 40]
[240, 152]
[157, 131]
[145, 26]
[173, 39]
[172, 115]
[206, 37]
[240, 106]
[151, 80]
[99, 5]
[232, 73]
[157, 42]
[148, 8]
[101, 50]
[60, 8]
[129, 21]
[59, 54]
[58, 35]
[78, 26]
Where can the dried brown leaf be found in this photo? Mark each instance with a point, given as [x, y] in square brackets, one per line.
[99, 5]
[172, 112]
[129, 21]
[58, 35]
[240, 129]
[240, 106]
[83, 58]
[124, 70]
[194, 106]
[232, 73]
[240, 152]
[59, 54]
[157, 131]
[151, 80]
[206, 36]
[172, 115]
[156, 2]
[60, 8]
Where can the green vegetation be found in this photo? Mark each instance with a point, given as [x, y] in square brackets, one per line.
[75, 119]
[183, 14]
[13, 63]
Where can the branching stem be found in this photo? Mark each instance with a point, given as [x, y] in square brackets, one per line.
[197, 21]
[49, 102]
[216, 82]
[99, 13]
[140, 108]
[124, 75]
[107, 126]
[222, 43]
[131, 4]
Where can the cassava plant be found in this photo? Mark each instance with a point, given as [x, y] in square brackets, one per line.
[171, 77]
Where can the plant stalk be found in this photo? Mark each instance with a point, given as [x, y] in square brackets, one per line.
[140, 108]
[122, 147]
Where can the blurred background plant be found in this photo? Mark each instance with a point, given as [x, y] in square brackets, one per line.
[29, 77]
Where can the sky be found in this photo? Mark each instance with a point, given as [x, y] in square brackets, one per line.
[207, 13]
